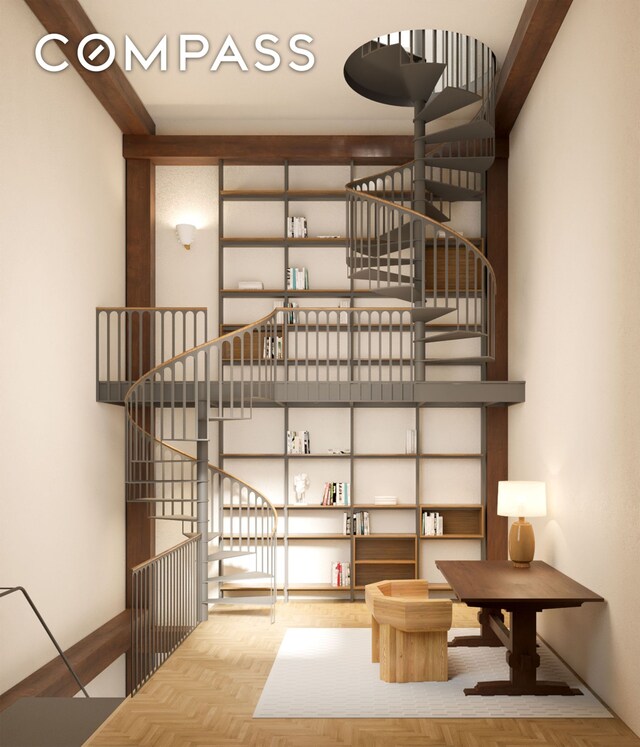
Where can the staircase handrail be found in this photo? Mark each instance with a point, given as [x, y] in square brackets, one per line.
[5, 591]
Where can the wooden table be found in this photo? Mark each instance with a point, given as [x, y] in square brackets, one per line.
[496, 585]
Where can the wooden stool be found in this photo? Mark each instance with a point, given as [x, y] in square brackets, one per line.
[408, 631]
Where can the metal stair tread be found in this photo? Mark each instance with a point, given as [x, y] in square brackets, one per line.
[240, 576]
[225, 554]
[464, 163]
[210, 535]
[447, 101]
[474, 130]
[175, 517]
[253, 600]
[453, 335]
[428, 313]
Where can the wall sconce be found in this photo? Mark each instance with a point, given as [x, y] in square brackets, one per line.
[186, 233]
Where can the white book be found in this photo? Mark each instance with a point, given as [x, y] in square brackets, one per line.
[250, 285]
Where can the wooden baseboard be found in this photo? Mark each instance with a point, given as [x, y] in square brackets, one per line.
[88, 657]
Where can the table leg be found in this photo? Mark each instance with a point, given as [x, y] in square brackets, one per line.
[487, 637]
[523, 660]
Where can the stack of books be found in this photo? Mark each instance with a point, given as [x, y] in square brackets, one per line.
[432, 524]
[250, 285]
[336, 494]
[340, 574]
[297, 278]
[296, 227]
[272, 347]
[298, 442]
[357, 524]
[385, 500]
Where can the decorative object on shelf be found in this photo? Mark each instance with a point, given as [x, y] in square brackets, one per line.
[250, 285]
[410, 442]
[385, 500]
[300, 485]
[521, 498]
[339, 452]
[186, 234]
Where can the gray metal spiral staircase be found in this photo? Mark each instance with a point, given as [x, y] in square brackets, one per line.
[398, 241]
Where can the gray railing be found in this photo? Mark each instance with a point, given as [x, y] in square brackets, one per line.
[164, 607]
[130, 341]
[5, 591]
[393, 248]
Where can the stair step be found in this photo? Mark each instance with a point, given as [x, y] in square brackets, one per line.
[403, 292]
[420, 78]
[447, 101]
[361, 262]
[474, 130]
[462, 163]
[377, 274]
[210, 535]
[430, 313]
[176, 517]
[452, 192]
[264, 600]
[456, 335]
[473, 361]
[376, 74]
[54, 722]
[244, 576]
[225, 554]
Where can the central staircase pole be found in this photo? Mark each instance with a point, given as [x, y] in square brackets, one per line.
[419, 205]
[202, 496]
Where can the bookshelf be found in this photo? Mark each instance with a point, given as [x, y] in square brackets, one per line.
[310, 535]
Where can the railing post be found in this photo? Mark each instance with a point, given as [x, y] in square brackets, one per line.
[202, 490]
[419, 205]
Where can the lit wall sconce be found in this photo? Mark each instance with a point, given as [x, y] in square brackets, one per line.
[186, 233]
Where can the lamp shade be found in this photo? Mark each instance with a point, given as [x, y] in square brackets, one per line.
[186, 233]
[522, 498]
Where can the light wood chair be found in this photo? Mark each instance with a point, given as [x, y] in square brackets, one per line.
[408, 631]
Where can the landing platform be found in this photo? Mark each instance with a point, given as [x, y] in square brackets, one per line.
[335, 393]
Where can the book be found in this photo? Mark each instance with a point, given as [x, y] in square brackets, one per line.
[340, 574]
[272, 347]
[250, 285]
[298, 442]
[297, 278]
[296, 227]
[336, 494]
[385, 500]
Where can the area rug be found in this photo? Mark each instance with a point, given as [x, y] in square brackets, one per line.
[327, 673]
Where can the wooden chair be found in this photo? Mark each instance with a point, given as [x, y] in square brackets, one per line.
[408, 631]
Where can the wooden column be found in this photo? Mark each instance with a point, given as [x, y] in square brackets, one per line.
[498, 370]
[140, 291]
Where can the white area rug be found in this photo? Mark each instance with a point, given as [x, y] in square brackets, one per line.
[327, 673]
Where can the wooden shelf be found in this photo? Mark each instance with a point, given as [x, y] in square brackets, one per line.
[396, 507]
[319, 537]
[277, 242]
[316, 507]
[329, 292]
[279, 195]
[382, 535]
[460, 520]
[450, 536]
[351, 456]
[385, 562]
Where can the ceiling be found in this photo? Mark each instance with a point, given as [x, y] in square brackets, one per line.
[283, 101]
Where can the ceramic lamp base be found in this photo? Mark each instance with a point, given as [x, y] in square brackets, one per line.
[522, 543]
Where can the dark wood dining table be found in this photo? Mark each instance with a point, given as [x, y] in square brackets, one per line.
[496, 585]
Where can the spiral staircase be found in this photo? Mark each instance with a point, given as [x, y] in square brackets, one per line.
[399, 246]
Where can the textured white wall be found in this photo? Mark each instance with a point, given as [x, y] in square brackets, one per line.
[62, 254]
[574, 180]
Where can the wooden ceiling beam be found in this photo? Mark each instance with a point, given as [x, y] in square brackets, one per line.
[536, 31]
[110, 87]
[256, 149]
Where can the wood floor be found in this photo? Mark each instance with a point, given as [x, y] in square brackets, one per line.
[206, 692]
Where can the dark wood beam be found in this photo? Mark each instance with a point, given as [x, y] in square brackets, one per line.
[259, 149]
[88, 657]
[140, 291]
[536, 31]
[110, 87]
[497, 417]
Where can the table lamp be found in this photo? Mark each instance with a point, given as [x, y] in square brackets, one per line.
[521, 498]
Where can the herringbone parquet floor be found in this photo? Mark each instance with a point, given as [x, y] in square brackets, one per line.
[205, 694]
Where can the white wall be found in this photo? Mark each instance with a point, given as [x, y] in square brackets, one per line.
[574, 179]
[62, 254]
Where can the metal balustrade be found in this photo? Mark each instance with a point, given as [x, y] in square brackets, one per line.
[164, 608]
